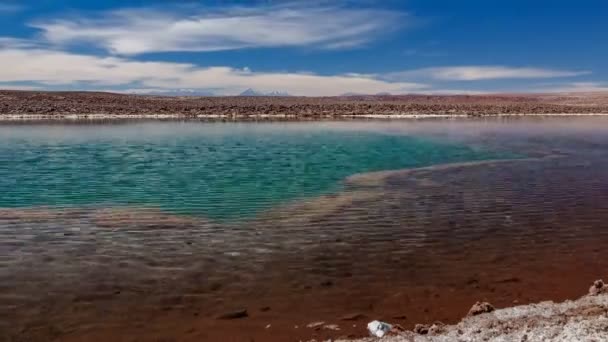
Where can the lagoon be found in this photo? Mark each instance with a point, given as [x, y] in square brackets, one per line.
[151, 230]
[218, 171]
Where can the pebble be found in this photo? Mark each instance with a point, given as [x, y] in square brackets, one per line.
[598, 287]
[353, 317]
[421, 329]
[334, 327]
[327, 283]
[315, 325]
[480, 308]
[234, 314]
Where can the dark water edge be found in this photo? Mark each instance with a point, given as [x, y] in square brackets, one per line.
[410, 247]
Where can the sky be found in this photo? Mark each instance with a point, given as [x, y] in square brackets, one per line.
[305, 48]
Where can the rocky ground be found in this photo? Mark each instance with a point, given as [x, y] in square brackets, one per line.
[58, 104]
[584, 319]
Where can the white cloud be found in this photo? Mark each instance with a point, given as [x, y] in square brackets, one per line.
[574, 87]
[17, 43]
[42, 67]
[136, 31]
[18, 87]
[478, 73]
[53, 68]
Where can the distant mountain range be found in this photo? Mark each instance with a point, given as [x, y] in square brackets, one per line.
[196, 92]
[173, 92]
[252, 92]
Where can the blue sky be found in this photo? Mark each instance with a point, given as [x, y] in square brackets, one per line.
[313, 47]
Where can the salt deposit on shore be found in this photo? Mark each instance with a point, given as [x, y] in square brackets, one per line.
[396, 116]
[584, 319]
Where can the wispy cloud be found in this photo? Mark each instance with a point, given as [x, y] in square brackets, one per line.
[43, 67]
[423, 53]
[479, 73]
[52, 68]
[9, 86]
[575, 87]
[18, 43]
[137, 31]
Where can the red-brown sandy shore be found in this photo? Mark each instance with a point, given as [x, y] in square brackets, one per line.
[35, 105]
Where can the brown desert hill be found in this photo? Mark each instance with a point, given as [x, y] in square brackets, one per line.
[57, 104]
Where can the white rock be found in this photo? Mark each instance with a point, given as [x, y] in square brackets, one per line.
[378, 329]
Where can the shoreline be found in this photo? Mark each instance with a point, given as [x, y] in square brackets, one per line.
[585, 318]
[266, 117]
[48, 105]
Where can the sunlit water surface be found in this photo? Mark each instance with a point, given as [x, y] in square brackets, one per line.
[216, 171]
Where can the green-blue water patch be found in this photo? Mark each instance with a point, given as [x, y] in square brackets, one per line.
[219, 171]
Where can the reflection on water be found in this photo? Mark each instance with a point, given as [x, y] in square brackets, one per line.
[407, 246]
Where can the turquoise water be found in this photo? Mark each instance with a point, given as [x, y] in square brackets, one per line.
[219, 171]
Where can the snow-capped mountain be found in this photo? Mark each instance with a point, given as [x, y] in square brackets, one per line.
[251, 92]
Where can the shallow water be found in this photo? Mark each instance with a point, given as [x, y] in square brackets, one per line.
[404, 246]
[218, 171]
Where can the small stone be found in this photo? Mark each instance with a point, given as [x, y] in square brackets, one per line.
[327, 283]
[421, 329]
[333, 327]
[234, 314]
[315, 325]
[473, 282]
[597, 288]
[265, 308]
[437, 328]
[593, 311]
[509, 280]
[353, 317]
[480, 308]
[397, 328]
